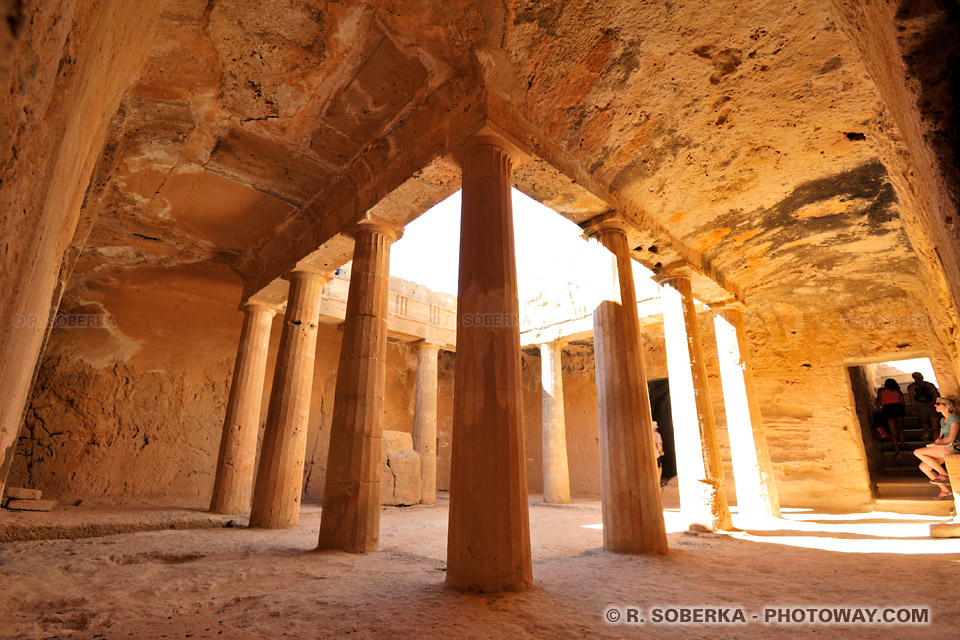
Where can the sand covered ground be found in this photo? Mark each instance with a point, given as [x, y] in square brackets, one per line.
[243, 584]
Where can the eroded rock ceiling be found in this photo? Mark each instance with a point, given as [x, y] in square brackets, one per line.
[736, 137]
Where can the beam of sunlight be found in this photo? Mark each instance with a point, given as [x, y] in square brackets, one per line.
[872, 532]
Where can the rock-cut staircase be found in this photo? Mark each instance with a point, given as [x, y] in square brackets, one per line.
[902, 487]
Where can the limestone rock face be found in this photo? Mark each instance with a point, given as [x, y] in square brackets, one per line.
[400, 474]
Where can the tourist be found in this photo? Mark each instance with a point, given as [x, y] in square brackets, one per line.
[658, 441]
[922, 395]
[933, 455]
[890, 402]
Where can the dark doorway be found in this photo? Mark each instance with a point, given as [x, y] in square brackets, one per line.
[659, 390]
[893, 476]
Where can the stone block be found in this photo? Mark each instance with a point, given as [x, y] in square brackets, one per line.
[15, 493]
[17, 504]
[400, 478]
[952, 463]
[397, 441]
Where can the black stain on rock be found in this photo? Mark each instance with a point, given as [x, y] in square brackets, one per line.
[872, 205]
[831, 65]
[663, 143]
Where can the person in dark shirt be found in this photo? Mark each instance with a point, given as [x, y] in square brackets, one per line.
[922, 395]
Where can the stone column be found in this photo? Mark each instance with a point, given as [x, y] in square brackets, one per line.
[699, 467]
[233, 485]
[556, 473]
[630, 490]
[425, 420]
[752, 469]
[350, 520]
[488, 538]
[276, 493]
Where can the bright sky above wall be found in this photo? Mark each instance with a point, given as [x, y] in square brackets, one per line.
[553, 260]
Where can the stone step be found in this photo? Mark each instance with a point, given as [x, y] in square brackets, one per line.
[916, 506]
[905, 459]
[906, 487]
[887, 447]
[15, 504]
[19, 493]
[900, 470]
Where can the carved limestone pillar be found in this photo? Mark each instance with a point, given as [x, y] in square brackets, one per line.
[556, 472]
[276, 494]
[488, 544]
[425, 419]
[699, 467]
[350, 520]
[752, 469]
[630, 489]
[233, 485]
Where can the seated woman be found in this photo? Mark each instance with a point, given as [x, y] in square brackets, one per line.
[932, 456]
[890, 402]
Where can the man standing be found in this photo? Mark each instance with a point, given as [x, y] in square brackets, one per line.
[922, 396]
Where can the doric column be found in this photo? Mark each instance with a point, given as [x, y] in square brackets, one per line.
[630, 489]
[699, 467]
[233, 485]
[350, 520]
[276, 494]
[425, 419]
[752, 469]
[556, 472]
[488, 543]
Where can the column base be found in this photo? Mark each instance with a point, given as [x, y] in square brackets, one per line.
[356, 528]
[710, 510]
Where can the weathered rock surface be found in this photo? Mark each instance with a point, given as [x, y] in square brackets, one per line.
[400, 470]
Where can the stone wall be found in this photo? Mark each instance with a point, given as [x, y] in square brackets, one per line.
[801, 361]
[134, 411]
[130, 410]
[807, 399]
[64, 71]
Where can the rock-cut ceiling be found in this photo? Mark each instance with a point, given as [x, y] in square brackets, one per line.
[733, 135]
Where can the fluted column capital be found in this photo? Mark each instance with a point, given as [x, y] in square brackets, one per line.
[427, 346]
[307, 273]
[491, 135]
[605, 225]
[678, 281]
[252, 307]
[392, 231]
[727, 307]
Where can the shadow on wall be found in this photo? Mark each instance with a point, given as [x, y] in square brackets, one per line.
[864, 395]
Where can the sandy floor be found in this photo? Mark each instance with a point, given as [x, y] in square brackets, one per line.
[240, 583]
